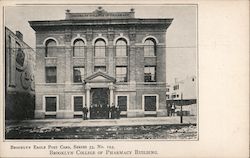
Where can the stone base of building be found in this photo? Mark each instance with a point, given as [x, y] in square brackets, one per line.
[162, 113]
[70, 114]
[39, 114]
[135, 114]
[64, 114]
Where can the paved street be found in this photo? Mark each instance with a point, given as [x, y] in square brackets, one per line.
[124, 128]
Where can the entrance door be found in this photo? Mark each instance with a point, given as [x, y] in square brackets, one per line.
[100, 100]
[100, 96]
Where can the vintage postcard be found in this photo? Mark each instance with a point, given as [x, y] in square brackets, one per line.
[111, 80]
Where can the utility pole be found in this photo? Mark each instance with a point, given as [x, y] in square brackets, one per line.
[181, 115]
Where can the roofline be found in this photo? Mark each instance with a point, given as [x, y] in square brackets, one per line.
[6, 28]
[91, 22]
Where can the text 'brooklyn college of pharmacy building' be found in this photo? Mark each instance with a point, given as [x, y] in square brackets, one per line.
[108, 58]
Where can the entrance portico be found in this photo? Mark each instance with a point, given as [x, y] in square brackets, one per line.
[99, 84]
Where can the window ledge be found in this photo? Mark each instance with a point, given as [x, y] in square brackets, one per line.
[78, 57]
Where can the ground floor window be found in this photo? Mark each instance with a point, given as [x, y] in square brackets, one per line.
[122, 102]
[150, 103]
[78, 103]
[50, 104]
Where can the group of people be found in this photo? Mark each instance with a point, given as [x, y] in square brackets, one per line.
[98, 111]
[171, 109]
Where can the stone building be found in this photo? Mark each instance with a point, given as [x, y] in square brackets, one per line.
[100, 58]
[19, 77]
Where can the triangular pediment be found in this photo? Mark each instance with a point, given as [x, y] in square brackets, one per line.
[99, 77]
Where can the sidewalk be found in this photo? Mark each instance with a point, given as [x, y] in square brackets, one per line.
[102, 122]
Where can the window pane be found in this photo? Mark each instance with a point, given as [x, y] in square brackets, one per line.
[149, 48]
[50, 103]
[121, 48]
[78, 50]
[150, 103]
[100, 49]
[149, 74]
[122, 103]
[50, 74]
[78, 73]
[51, 48]
[121, 74]
[78, 103]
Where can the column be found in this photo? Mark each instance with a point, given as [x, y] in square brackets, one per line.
[87, 87]
[111, 94]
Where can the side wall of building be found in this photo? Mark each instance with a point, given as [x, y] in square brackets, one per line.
[19, 78]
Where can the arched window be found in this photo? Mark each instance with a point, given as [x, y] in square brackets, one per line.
[100, 47]
[78, 48]
[149, 47]
[121, 48]
[50, 48]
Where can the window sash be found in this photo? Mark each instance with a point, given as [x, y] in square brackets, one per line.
[50, 104]
[149, 74]
[78, 74]
[150, 103]
[78, 103]
[51, 75]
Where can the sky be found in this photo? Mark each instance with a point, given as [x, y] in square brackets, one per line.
[181, 37]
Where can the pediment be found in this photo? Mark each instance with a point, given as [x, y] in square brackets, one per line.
[99, 77]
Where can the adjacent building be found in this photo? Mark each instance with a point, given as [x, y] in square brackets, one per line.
[183, 92]
[100, 58]
[19, 77]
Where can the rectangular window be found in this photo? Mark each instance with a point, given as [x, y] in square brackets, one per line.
[78, 103]
[78, 74]
[50, 74]
[50, 104]
[122, 102]
[121, 74]
[149, 74]
[100, 68]
[150, 103]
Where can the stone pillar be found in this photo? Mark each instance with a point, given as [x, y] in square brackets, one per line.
[87, 87]
[111, 94]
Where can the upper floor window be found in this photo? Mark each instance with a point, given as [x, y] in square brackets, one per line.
[150, 47]
[121, 48]
[78, 73]
[78, 48]
[50, 74]
[149, 74]
[121, 74]
[100, 48]
[50, 48]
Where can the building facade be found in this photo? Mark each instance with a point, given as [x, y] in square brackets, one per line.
[100, 58]
[19, 77]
